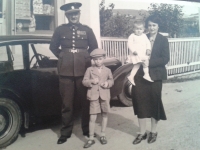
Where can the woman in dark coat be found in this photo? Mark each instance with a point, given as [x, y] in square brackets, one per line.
[146, 96]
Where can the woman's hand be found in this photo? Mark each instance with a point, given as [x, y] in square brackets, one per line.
[148, 52]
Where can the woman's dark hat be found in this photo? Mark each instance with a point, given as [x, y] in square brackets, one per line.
[71, 7]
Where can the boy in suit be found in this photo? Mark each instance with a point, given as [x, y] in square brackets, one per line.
[99, 80]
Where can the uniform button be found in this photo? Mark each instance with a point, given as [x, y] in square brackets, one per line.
[73, 41]
[73, 45]
[73, 37]
[73, 33]
[73, 29]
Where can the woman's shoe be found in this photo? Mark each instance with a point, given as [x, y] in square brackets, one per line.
[89, 143]
[139, 138]
[152, 137]
[103, 140]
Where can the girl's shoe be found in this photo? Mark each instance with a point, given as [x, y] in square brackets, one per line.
[103, 140]
[139, 138]
[89, 143]
[148, 78]
[131, 80]
[152, 137]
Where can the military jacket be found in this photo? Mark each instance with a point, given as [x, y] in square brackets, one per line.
[72, 37]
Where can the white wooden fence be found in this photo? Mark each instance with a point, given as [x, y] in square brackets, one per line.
[184, 53]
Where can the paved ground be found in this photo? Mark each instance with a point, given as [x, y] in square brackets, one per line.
[181, 131]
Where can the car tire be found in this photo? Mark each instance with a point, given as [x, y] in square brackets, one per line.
[125, 95]
[10, 121]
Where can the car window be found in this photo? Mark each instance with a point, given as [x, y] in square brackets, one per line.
[41, 48]
[3, 53]
[17, 57]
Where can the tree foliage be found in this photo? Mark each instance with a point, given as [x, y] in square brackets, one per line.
[170, 16]
[118, 26]
[105, 14]
[114, 25]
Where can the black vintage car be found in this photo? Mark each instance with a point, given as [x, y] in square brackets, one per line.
[29, 83]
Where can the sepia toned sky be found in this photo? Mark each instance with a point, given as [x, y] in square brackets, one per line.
[189, 7]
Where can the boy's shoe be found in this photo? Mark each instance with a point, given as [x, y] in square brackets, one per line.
[103, 140]
[87, 134]
[147, 77]
[131, 80]
[89, 143]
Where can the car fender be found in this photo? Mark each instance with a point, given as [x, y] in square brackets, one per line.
[118, 76]
[15, 96]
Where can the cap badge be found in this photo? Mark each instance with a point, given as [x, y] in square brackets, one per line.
[72, 7]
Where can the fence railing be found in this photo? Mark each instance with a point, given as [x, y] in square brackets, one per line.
[184, 53]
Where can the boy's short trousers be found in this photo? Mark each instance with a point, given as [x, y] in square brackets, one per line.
[98, 106]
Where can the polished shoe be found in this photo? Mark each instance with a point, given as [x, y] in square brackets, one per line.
[89, 143]
[62, 139]
[152, 137]
[87, 134]
[103, 140]
[139, 138]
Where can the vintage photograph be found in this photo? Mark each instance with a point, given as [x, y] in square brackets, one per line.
[99, 74]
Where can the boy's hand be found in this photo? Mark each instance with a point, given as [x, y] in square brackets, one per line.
[95, 81]
[134, 53]
[104, 85]
[148, 53]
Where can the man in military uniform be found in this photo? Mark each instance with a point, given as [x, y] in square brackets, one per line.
[76, 42]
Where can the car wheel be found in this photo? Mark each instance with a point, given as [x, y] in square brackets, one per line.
[125, 95]
[10, 121]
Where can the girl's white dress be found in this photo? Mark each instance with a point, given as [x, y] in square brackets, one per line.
[140, 44]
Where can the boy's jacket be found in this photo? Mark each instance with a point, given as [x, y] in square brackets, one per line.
[96, 91]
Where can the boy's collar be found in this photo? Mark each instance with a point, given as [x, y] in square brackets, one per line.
[99, 67]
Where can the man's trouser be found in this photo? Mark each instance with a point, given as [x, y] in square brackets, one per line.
[73, 93]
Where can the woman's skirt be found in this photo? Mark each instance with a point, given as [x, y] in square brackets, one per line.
[146, 97]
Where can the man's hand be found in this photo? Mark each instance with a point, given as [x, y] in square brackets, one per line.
[95, 81]
[104, 85]
[148, 53]
[134, 53]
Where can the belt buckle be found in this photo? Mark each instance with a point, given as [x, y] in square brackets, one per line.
[74, 51]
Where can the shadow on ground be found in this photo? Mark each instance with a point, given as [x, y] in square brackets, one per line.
[115, 122]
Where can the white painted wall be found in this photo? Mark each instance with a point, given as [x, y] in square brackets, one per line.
[60, 14]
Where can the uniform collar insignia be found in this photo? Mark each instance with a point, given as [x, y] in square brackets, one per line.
[74, 26]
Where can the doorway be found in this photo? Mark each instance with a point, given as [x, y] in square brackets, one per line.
[2, 17]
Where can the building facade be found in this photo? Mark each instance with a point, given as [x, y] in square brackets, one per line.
[41, 17]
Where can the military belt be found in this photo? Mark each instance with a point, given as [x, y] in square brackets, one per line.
[75, 50]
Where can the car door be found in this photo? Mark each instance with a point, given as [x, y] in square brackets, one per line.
[13, 74]
[6, 59]
[44, 80]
